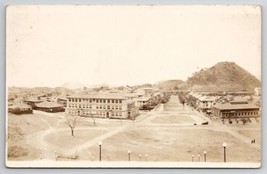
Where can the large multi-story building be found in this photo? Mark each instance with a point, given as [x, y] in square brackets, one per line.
[107, 105]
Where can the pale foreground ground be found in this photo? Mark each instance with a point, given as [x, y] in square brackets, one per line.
[167, 135]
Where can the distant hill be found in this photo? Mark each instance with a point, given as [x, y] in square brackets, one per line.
[168, 84]
[224, 76]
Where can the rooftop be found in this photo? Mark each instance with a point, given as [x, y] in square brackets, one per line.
[99, 96]
[143, 98]
[33, 99]
[228, 106]
[207, 98]
[20, 105]
[47, 104]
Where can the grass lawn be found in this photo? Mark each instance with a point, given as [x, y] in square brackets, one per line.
[64, 138]
[173, 119]
[19, 126]
[174, 144]
[252, 134]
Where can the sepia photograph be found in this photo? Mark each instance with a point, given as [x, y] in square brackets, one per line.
[133, 86]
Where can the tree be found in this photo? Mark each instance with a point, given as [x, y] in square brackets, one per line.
[71, 122]
[244, 120]
[17, 111]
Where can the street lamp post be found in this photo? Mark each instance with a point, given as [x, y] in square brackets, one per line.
[129, 155]
[100, 144]
[224, 151]
[146, 156]
[193, 158]
[198, 158]
[56, 155]
[140, 157]
[205, 156]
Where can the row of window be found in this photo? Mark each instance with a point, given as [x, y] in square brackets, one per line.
[241, 114]
[95, 100]
[85, 106]
[97, 114]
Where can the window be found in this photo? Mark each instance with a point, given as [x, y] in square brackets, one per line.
[100, 106]
[112, 101]
[104, 101]
[96, 100]
[116, 101]
[120, 101]
[108, 101]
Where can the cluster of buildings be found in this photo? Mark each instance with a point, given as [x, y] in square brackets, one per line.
[26, 105]
[122, 105]
[231, 105]
[104, 103]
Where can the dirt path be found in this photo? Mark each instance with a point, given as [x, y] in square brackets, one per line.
[49, 151]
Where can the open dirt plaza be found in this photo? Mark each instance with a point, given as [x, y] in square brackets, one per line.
[171, 132]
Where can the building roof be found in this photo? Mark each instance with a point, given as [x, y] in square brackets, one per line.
[47, 104]
[143, 98]
[228, 106]
[33, 99]
[62, 97]
[207, 98]
[157, 93]
[20, 105]
[134, 95]
[99, 96]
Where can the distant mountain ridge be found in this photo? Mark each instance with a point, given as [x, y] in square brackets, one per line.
[75, 85]
[224, 76]
[168, 84]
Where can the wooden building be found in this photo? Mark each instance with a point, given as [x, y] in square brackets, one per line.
[235, 110]
[50, 107]
[20, 108]
[33, 101]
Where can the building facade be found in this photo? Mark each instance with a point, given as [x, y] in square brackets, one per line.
[235, 110]
[50, 107]
[20, 108]
[106, 105]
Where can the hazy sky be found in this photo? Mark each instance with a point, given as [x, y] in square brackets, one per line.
[120, 45]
